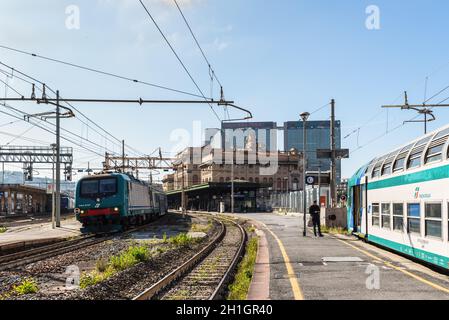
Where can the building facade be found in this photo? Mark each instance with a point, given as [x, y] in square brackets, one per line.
[318, 137]
[208, 183]
[237, 134]
[285, 174]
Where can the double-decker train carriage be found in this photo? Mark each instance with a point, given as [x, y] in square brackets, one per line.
[116, 201]
[401, 200]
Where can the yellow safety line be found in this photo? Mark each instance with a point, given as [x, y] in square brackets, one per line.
[297, 293]
[416, 277]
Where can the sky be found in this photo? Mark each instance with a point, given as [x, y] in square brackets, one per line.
[276, 58]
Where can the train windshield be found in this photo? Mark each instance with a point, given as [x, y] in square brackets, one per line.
[98, 187]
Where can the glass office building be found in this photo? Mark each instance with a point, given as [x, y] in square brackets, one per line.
[318, 137]
[236, 133]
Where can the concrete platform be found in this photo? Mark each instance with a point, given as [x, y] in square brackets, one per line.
[32, 234]
[335, 267]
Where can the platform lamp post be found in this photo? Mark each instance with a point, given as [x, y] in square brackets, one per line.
[304, 116]
[53, 196]
[294, 152]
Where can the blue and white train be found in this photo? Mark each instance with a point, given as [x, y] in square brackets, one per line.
[401, 200]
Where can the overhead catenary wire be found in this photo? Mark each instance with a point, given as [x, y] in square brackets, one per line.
[93, 144]
[211, 70]
[106, 73]
[118, 144]
[178, 58]
[319, 109]
[52, 132]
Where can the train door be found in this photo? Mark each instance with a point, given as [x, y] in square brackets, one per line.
[357, 207]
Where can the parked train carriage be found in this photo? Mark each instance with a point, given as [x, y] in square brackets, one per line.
[401, 200]
[113, 202]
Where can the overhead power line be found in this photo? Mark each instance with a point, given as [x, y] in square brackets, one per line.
[213, 74]
[117, 142]
[52, 132]
[106, 73]
[177, 57]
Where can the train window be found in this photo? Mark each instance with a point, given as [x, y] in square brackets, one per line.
[376, 172]
[375, 214]
[108, 185]
[98, 187]
[414, 218]
[433, 220]
[386, 215]
[415, 160]
[435, 154]
[89, 187]
[398, 216]
[399, 164]
[386, 169]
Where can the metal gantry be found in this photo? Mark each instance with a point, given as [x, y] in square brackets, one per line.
[34, 154]
[121, 163]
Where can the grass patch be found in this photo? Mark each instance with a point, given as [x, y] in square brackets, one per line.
[105, 269]
[3, 229]
[196, 227]
[251, 229]
[129, 258]
[334, 230]
[238, 290]
[181, 240]
[27, 286]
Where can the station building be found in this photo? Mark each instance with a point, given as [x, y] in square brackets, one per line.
[206, 175]
[22, 199]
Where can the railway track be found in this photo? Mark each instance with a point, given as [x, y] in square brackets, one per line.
[18, 259]
[22, 258]
[205, 275]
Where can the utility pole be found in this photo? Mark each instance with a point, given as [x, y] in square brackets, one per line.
[58, 164]
[53, 197]
[183, 194]
[305, 116]
[123, 156]
[232, 180]
[319, 185]
[333, 158]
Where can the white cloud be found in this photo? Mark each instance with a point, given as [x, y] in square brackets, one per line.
[220, 45]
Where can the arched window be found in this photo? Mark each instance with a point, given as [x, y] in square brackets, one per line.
[195, 179]
[251, 180]
[228, 179]
[221, 180]
[295, 184]
[257, 180]
[279, 184]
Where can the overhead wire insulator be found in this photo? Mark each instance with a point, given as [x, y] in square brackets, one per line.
[33, 92]
[44, 95]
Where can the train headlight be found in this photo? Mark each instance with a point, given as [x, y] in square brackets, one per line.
[116, 209]
[82, 211]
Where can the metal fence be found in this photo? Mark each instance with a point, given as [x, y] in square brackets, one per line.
[293, 201]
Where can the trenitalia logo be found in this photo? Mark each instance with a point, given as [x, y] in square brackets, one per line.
[419, 195]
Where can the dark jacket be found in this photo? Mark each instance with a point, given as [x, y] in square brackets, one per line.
[314, 210]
